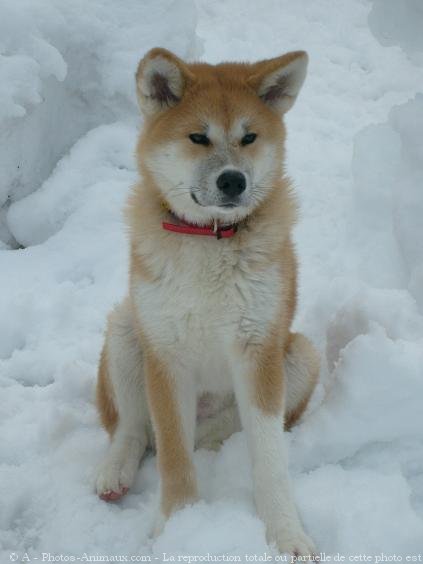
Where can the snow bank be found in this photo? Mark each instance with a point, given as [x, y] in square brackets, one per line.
[355, 152]
[103, 155]
[399, 23]
[388, 174]
[86, 246]
[66, 67]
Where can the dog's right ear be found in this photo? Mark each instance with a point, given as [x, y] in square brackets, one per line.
[161, 79]
[278, 81]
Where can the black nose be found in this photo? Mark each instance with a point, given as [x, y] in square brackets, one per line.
[232, 183]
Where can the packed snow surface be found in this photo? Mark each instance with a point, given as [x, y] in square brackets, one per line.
[68, 125]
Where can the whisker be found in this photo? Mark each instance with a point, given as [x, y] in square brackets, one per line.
[182, 193]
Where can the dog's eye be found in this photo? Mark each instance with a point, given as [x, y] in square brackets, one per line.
[199, 139]
[248, 139]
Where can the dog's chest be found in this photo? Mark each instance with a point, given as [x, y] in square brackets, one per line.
[206, 300]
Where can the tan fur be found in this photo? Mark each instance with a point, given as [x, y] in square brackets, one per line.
[139, 268]
[292, 417]
[178, 478]
[269, 378]
[298, 345]
[269, 381]
[105, 404]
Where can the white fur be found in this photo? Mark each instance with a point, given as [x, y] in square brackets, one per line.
[199, 310]
[216, 132]
[178, 175]
[238, 130]
[271, 483]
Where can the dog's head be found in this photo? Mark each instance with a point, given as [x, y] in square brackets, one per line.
[213, 136]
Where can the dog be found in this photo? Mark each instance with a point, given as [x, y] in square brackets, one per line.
[202, 343]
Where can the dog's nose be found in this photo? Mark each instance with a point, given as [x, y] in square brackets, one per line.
[232, 183]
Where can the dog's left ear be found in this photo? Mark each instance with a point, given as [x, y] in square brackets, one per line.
[278, 81]
[161, 80]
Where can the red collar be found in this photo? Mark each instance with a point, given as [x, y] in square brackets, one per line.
[214, 230]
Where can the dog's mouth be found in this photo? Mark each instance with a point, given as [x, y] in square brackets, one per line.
[194, 197]
[224, 205]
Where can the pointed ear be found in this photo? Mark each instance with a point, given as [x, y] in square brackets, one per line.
[278, 81]
[161, 79]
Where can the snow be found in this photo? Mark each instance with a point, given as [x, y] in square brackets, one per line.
[67, 67]
[399, 23]
[68, 124]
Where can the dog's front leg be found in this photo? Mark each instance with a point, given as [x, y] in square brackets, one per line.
[172, 402]
[259, 387]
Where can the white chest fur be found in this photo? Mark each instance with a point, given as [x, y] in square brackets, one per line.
[205, 300]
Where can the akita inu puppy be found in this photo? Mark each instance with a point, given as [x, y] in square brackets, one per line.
[204, 333]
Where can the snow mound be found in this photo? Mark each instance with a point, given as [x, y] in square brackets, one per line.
[103, 155]
[399, 23]
[388, 176]
[66, 67]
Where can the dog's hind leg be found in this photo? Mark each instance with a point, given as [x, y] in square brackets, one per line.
[301, 369]
[121, 401]
[213, 430]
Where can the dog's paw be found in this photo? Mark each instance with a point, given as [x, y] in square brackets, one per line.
[114, 478]
[295, 542]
